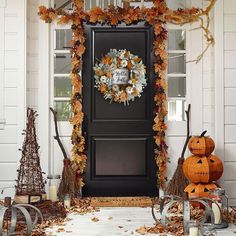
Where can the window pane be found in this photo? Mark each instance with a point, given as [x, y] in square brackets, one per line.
[176, 39]
[63, 110]
[62, 87]
[176, 63]
[176, 4]
[176, 110]
[63, 37]
[176, 87]
[62, 63]
[65, 4]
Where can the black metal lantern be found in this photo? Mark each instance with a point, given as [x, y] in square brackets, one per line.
[220, 205]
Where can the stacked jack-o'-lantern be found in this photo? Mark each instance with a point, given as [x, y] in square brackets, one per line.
[202, 168]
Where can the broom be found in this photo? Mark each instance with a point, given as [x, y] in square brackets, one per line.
[178, 182]
[68, 183]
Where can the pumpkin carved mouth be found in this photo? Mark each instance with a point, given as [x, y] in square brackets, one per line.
[203, 169]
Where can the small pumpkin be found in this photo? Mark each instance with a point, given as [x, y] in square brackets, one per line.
[203, 169]
[199, 190]
[201, 145]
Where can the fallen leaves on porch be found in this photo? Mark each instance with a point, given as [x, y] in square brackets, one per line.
[59, 230]
[174, 228]
[82, 206]
[95, 219]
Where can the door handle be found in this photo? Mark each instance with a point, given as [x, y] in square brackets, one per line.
[85, 132]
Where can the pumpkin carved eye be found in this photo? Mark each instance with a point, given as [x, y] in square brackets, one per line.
[212, 161]
[198, 142]
[200, 161]
[193, 191]
[206, 190]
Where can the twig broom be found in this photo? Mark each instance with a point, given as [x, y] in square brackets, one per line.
[178, 182]
[68, 182]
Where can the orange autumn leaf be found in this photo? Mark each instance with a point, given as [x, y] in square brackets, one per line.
[107, 60]
[80, 50]
[77, 119]
[108, 74]
[102, 88]
[63, 20]
[99, 72]
[123, 97]
[129, 65]
[96, 14]
[77, 106]
[79, 3]
[76, 82]
[42, 10]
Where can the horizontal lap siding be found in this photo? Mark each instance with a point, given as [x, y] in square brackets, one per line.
[12, 33]
[230, 98]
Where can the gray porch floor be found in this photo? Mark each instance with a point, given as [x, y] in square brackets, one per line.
[114, 221]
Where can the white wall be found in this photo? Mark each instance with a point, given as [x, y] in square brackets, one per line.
[12, 92]
[226, 88]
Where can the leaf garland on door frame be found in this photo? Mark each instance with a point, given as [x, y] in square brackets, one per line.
[156, 16]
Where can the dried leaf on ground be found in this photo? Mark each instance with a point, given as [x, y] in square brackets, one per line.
[59, 230]
[95, 219]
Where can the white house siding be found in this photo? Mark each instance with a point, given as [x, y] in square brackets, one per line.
[12, 92]
[32, 54]
[227, 87]
[208, 74]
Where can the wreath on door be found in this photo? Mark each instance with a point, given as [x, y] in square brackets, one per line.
[120, 76]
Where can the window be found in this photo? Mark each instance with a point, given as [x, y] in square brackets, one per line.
[176, 74]
[61, 61]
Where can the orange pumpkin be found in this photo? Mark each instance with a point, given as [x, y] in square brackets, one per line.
[201, 145]
[203, 169]
[199, 190]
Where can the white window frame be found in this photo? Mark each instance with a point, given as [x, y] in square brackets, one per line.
[178, 128]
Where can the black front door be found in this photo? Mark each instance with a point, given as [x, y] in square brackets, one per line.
[119, 138]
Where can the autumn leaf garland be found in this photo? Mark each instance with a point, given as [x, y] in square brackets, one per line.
[156, 16]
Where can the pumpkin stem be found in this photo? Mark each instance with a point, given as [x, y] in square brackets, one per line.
[203, 133]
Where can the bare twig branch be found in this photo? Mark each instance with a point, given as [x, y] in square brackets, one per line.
[57, 137]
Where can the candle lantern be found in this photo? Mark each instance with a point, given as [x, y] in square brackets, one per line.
[54, 181]
[172, 200]
[193, 228]
[220, 205]
[208, 229]
[67, 201]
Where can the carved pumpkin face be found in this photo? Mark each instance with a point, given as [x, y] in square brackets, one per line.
[201, 145]
[203, 169]
[199, 190]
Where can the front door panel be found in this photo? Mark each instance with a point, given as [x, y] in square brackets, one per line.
[119, 138]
